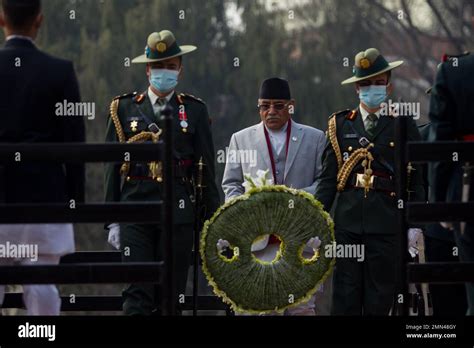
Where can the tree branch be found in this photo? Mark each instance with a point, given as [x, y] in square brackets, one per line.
[444, 25]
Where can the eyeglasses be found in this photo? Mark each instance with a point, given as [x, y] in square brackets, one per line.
[277, 106]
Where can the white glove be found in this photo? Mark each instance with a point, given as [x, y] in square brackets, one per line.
[314, 243]
[260, 243]
[447, 225]
[114, 235]
[311, 245]
[413, 235]
[221, 245]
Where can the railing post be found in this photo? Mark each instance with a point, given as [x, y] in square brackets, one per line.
[401, 124]
[168, 284]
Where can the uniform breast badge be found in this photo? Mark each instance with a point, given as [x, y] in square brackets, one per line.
[133, 125]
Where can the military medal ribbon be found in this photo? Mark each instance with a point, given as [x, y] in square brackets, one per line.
[184, 120]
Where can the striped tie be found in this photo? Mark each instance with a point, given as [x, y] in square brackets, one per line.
[159, 105]
[371, 123]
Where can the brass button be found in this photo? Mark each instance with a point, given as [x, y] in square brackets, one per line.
[128, 178]
[393, 194]
[349, 148]
[392, 144]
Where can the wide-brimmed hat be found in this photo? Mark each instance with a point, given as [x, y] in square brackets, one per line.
[370, 63]
[161, 46]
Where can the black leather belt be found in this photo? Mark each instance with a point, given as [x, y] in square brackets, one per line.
[141, 171]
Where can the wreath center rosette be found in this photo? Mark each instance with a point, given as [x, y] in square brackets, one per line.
[251, 285]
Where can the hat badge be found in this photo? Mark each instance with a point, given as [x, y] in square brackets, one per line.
[161, 47]
[364, 63]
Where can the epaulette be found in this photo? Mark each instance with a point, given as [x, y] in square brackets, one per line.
[183, 96]
[139, 98]
[346, 113]
[447, 57]
[450, 58]
[126, 95]
[351, 116]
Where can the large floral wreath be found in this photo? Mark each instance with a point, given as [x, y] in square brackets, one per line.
[254, 286]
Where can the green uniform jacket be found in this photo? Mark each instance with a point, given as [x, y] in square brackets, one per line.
[193, 144]
[377, 213]
[452, 116]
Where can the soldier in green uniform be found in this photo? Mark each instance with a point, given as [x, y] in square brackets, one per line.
[358, 164]
[446, 299]
[451, 115]
[135, 117]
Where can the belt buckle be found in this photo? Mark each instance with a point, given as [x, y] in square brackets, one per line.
[153, 127]
[364, 142]
[360, 182]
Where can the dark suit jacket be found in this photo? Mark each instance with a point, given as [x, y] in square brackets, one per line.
[452, 116]
[31, 83]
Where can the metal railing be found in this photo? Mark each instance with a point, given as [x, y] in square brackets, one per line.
[421, 212]
[145, 212]
[100, 265]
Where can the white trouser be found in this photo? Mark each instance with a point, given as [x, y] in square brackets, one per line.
[38, 299]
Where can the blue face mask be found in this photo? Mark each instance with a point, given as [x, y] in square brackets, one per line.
[373, 95]
[164, 80]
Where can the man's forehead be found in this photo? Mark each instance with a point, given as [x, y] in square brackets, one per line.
[170, 61]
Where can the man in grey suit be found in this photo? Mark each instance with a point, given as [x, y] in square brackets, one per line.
[291, 153]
